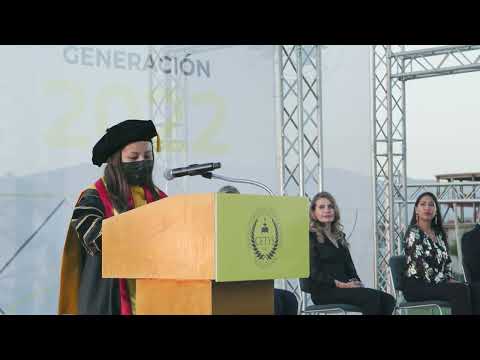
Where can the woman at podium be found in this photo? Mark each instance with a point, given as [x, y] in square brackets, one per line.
[333, 277]
[127, 150]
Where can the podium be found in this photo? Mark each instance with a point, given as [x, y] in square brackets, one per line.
[208, 254]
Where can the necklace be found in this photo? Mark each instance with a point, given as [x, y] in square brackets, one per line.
[431, 235]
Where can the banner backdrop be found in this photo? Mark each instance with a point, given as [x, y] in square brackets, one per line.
[56, 103]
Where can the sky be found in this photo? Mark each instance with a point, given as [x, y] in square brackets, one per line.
[442, 121]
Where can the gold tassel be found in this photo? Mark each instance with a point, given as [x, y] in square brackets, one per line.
[158, 144]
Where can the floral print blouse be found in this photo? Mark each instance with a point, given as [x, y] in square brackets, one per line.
[427, 260]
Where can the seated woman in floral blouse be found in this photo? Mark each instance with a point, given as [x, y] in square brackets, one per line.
[428, 274]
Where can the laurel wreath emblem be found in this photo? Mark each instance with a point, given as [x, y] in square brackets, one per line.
[258, 254]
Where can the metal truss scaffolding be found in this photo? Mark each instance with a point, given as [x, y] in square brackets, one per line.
[389, 164]
[167, 110]
[300, 119]
[300, 126]
[391, 67]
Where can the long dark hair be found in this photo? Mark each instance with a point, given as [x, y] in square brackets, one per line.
[436, 224]
[117, 185]
[318, 228]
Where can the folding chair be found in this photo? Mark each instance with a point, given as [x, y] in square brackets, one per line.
[332, 309]
[397, 267]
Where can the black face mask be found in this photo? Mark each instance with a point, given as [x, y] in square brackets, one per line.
[137, 172]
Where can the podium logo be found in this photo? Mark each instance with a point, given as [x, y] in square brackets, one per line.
[264, 238]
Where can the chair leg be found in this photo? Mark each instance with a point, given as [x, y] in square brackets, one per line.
[432, 308]
[334, 312]
[438, 308]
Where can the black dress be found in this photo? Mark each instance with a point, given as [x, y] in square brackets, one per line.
[329, 263]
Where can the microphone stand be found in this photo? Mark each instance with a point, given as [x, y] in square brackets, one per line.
[209, 175]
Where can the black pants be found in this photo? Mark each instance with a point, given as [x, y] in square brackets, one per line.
[285, 302]
[457, 294]
[371, 301]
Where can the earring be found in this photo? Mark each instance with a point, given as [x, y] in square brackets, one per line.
[416, 217]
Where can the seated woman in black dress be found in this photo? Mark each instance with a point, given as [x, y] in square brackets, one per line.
[333, 278]
[428, 273]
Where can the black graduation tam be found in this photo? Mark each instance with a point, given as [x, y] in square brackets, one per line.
[120, 135]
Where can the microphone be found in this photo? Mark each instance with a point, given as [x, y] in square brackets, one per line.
[191, 170]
